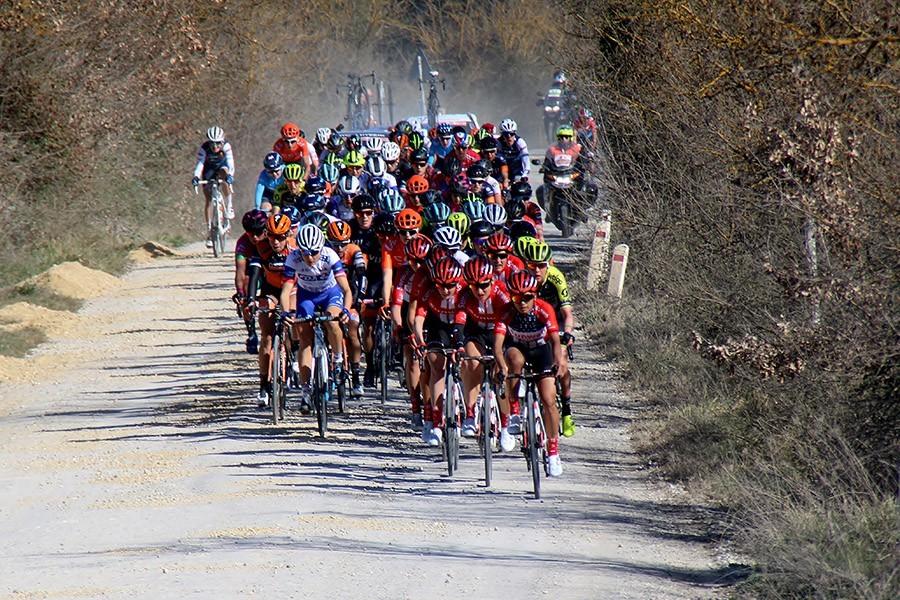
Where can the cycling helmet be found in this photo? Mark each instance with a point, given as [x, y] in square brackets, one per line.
[515, 210]
[354, 159]
[407, 219]
[418, 247]
[334, 142]
[521, 283]
[478, 172]
[391, 202]
[417, 185]
[353, 142]
[310, 239]
[447, 271]
[398, 138]
[315, 185]
[585, 113]
[522, 244]
[480, 229]
[384, 224]
[348, 185]
[488, 143]
[333, 158]
[461, 139]
[374, 145]
[430, 197]
[460, 222]
[499, 242]
[375, 166]
[254, 221]
[376, 185]
[448, 237]
[364, 202]
[565, 131]
[293, 213]
[279, 224]
[329, 173]
[473, 208]
[520, 189]
[483, 133]
[338, 231]
[478, 270]
[508, 126]
[452, 167]
[459, 186]
[272, 161]
[404, 127]
[459, 129]
[416, 140]
[559, 78]
[215, 134]
[390, 151]
[444, 130]
[294, 172]
[290, 131]
[436, 254]
[520, 229]
[322, 135]
[537, 252]
[437, 213]
[420, 155]
[312, 203]
[495, 215]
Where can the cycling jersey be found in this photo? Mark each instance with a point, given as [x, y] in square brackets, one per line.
[298, 153]
[338, 208]
[244, 247]
[318, 277]
[438, 150]
[365, 178]
[467, 158]
[440, 314]
[475, 316]
[555, 291]
[393, 254]
[403, 285]
[532, 329]
[516, 157]
[265, 187]
[355, 265]
[209, 163]
[282, 196]
[272, 263]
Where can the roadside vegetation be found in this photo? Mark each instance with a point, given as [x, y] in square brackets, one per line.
[752, 162]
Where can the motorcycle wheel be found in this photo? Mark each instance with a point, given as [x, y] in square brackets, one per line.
[565, 223]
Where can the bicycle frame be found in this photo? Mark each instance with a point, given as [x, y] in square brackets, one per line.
[534, 434]
[487, 413]
[220, 225]
[322, 375]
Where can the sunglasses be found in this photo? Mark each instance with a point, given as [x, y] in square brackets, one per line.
[538, 265]
[420, 165]
[500, 255]
[479, 241]
[447, 286]
[522, 297]
[392, 162]
[564, 137]
[482, 286]
[217, 143]
[294, 181]
[290, 141]
[274, 171]
[310, 252]
[340, 244]
[279, 238]
[409, 232]
[365, 213]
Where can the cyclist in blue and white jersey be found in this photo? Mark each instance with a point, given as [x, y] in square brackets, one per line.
[376, 168]
[318, 274]
[442, 144]
[341, 203]
[269, 178]
[514, 150]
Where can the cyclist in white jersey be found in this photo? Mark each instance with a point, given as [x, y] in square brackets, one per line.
[318, 274]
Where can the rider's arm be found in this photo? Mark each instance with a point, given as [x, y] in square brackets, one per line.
[229, 158]
[345, 288]
[240, 275]
[499, 339]
[255, 274]
[201, 158]
[289, 279]
[524, 157]
[418, 328]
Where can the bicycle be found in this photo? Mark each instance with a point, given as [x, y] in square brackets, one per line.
[433, 106]
[383, 358]
[453, 411]
[534, 434]
[280, 366]
[220, 225]
[322, 371]
[359, 105]
[487, 415]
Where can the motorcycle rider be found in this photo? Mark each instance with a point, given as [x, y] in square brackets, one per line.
[514, 150]
[564, 154]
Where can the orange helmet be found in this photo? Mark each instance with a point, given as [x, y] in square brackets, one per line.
[408, 219]
[338, 231]
[290, 131]
[278, 224]
[417, 185]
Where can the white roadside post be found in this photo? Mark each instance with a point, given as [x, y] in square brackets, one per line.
[599, 250]
[617, 271]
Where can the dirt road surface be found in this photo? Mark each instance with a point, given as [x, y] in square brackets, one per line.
[143, 469]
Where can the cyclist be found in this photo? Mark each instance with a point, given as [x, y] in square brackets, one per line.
[526, 333]
[462, 150]
[514, 150]
[376, 168]
[499, 169]
[254, 223]
[393, 251]
[341, 204]
[318, 276]
[477, 308]
[354, 260]
[417, 250]
[498, 248]
[479, 233]
[585, 127]
[382, 227]
[319, 143]
[414, 191]
[290, 191]
[450, 239]
[353, 165]
[267, 275]
[441, 146]
[215, 158]
[482, 184]
[434, 216]
[434, 327]
[554, 290]
[269, 179]
[293, 148]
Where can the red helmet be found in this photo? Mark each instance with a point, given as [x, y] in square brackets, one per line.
[417, 185]
[338, 231]
[478, 270]
[418, 247]
[499, 242]
[436, 254]
[522, 282]
[408, 219]
[290, 131]
[447, 271]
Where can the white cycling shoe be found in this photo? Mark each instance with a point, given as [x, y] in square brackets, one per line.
[437, 436]
[468, 428]
[507, 441]
[555, 465]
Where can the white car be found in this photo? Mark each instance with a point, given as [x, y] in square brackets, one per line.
[467, 120]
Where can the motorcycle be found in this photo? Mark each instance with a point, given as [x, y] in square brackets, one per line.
[554, 109]
[566, 194]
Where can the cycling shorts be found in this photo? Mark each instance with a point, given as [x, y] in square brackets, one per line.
[538, 358]
[215, 169]
[438, 334]
[484, 339]
[308, 302]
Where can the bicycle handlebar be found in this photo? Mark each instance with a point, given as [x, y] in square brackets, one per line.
[484, 359]
[534, 376]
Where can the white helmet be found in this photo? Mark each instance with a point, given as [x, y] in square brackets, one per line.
[322, 135]
[215, 134]
[495, 215]
[310, 238]
[374, 145]
[508, 126]
[375, 166]
[448, 237]
[390, 151]
[349, 185]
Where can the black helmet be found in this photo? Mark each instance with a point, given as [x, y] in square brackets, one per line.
[334, 142]
[521, 190]
[488, 143]
[384, 224]
[515, 209]
[419, 155]
[430, 197]
[477, 171]
[353, 142]
[403, 127]
[363, 202]
[521, 229]
[480, 229]
[452, 166]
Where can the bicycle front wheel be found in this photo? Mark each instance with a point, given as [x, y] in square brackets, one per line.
[487, 432]
[534, 442]
[385, 359]
[320, 395]
[277, 370]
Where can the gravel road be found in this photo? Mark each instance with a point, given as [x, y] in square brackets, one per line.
[146, 471]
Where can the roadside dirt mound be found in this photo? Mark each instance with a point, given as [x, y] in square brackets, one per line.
[72, 280]
[55, 323]
[152, 251]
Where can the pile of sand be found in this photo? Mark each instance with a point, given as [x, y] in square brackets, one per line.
[54, 323]
[152, 251]
[72, 280]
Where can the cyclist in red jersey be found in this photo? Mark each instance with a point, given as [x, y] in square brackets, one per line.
[293, 148]
[393, 252]
[477, 309]
[498, 248]
[527, 333]
[434, 328]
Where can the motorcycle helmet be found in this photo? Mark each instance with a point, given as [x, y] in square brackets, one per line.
[565, 131]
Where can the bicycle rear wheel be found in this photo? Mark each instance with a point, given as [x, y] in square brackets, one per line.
[534, 443]
[320, 394]
[385, 358]
[487, 431]
[277, 369]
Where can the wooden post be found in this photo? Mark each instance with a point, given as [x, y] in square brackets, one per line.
[599, 250]
[617, 271]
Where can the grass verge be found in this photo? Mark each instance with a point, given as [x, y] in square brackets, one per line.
[18, 342]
